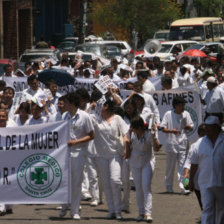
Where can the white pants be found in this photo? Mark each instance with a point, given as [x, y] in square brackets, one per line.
[91, 169]
[125, 176]
[110, 171]
[171, 159]
[85, 184]
[77, 167]
[213, 205]
[142, 179]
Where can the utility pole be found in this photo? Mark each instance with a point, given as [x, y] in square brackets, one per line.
[82, 21]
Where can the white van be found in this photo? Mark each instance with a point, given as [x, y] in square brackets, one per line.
[168, 48]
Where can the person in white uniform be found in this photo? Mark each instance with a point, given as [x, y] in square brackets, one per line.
[22, 114]
[208, 160]
[175, 124]
[81, 132]
[108, 132]
[142, 163]
[214, 98]
[147, 85]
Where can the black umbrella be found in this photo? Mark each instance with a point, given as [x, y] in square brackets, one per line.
[61, 77]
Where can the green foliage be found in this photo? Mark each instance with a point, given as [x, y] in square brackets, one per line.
[209, 8]
[145, 16]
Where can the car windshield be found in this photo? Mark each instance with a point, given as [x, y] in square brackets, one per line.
[111, 52]
[66, 45]
[195, 46]
[164, 36]
[28, 58]
[165, 48]
[89, 48]
[187, 33]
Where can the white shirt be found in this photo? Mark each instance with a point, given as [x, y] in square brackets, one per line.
[32, 121]
[55, 117]
[215, 100]
[150, 102]
[171, 120]
[210, 162]
[29, 93]
[80, 126]
[142, 150]
[148, 87]
[11, 123]
[107, 135]
[187, 163]
[16, 119]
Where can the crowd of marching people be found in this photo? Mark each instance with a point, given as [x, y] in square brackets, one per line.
[110, 147]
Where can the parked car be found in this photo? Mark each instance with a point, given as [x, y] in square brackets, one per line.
[168, 48]
[122, 45]
[106, 51]
[161, 35]
[209, 48]
[30, 55]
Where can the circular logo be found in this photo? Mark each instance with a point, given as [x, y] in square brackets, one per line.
[194, 118]
[39, 175]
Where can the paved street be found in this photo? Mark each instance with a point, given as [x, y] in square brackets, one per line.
[167, 208]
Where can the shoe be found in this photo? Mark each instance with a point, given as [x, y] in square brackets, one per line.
[185, 192]
[86, 197]
[140, 218]
[169, 190]
[148, 218]
[126, 210]
[94, 203]
[59, 208]
[111, 216]
[119, 216]
[62, 213]
[9, 211]
[80, 207]
[100, 202]
[76, 217]
[2, 213]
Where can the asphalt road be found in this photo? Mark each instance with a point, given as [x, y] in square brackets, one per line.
[167, 208]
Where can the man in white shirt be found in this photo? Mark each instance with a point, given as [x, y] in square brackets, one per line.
[33, 88]
[208, 160]
[147, 85]
[175, 123]
[214, 98]
[81, 132]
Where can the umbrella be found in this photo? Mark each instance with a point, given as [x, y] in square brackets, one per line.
[61, 77]
[194, 53]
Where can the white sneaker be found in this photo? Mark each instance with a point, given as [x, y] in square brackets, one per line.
[140, 218]
[59, 208]
[119, 216]
[62, 213]
[148, 218]
[94, 203]
[76, 217]
[80, 207]
[185, 192]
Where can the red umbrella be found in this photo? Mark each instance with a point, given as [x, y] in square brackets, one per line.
[194, 53]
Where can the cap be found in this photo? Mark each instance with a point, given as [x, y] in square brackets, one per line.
[212, 120]
[212, 79]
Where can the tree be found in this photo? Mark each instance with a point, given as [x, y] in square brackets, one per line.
[144, 16]
[209, 7]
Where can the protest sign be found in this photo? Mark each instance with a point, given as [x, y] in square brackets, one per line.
[34, 166]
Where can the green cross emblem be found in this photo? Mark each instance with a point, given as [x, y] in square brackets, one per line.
[39, 175]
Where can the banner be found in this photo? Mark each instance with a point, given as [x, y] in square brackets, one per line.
[34, 166]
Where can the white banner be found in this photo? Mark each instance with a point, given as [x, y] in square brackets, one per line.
[34, 167]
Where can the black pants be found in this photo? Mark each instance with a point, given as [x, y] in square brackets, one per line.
[198, 194]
